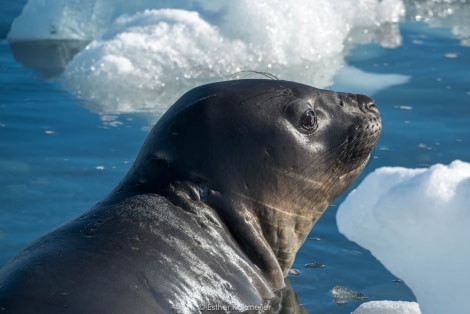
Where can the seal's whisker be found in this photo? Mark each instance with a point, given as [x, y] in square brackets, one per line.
[251, 73]
[313, 164]
[275, 93]
[328, 177]
[258, 202]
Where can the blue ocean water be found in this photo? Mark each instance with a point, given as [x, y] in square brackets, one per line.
[58, 158]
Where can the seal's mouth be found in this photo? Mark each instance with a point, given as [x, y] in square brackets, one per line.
[356, 149]
[356, 169]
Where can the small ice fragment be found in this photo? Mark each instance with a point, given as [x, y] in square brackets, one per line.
[314, 265]
[342, 295]
[294, 272]
[450, 55]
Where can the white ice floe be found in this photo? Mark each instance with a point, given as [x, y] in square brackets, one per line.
[416, 222]
[144, 54]
[364, 82]
[388, 307]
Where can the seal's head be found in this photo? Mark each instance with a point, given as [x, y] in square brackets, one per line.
[268, 155]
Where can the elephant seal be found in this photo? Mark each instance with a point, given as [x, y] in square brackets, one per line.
[223, 193]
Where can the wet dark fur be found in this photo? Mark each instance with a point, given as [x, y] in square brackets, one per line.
[222, 195]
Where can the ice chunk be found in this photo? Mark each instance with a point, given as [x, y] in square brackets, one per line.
[145, 54]
[415, 221]
[353, 79]
[388, 307]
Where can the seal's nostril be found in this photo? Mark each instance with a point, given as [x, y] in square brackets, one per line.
[371, 107]
[366, 104]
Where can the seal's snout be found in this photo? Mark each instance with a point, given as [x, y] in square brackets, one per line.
[358, 103]
[366, 104]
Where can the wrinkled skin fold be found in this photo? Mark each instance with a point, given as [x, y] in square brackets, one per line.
[221, 197]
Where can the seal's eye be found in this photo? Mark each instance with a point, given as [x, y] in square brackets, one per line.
[308, 121]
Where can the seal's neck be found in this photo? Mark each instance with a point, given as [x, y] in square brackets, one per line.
[241, 221]
[285, 230]
[269, 234]
[247, 230]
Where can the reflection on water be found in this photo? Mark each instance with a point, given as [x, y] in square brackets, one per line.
[286, 302]
[47, 57]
